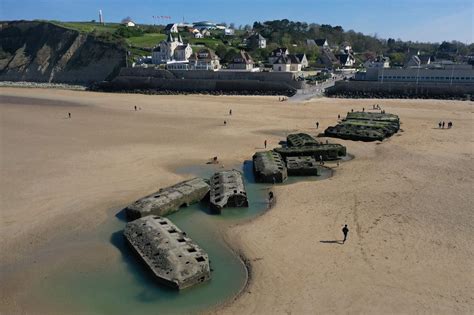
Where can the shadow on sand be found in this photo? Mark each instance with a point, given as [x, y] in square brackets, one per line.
[332, 242]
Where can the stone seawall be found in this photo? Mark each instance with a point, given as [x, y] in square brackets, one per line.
[168, 82]
[372, 89]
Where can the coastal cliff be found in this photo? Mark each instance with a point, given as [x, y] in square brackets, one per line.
[44, 52]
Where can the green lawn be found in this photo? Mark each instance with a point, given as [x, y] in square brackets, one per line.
[148, 40]
[208, 42]
[89, 27]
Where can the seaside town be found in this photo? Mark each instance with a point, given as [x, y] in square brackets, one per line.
[170, 167]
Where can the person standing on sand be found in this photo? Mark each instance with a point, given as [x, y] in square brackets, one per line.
[69, 115]
[443, 124]
[230, 112]
[225, 122]
[345, 231]
[317, 124]
[135, 107]
[265, 143]
[439, 125]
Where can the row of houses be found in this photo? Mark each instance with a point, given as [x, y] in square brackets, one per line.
[198, 29]
[177, 55]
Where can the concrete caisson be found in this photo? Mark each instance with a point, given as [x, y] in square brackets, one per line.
[269, 167]
[174, 258]
[302, 166]
[300, 139]
[227, 190]
[331, 151]
[365, 126]
[170, 199]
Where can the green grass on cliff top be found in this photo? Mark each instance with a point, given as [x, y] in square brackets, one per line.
[148, 40]
[89, 27]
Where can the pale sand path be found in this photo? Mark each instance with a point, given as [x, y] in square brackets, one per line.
[408, 201]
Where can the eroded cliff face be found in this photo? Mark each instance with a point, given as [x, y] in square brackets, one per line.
[44, 52]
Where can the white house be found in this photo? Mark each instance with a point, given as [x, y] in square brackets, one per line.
[171, 49]
[242, 62]
[322, 43]
[256, 41]
[346, 60]
[303, 60]
[277, 53]
[229, 32]
[289, 63]
[205, 59]
[378, 62]
[128, 23]
[418, 60]
[198, 35]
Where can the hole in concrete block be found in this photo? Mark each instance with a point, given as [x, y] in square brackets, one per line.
[200, 259]
[172, 231]
[163, 222]
[156, 217]
[181, 240]
[191, 250]
[157, 196]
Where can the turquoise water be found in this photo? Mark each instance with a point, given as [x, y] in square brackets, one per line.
[125, 286]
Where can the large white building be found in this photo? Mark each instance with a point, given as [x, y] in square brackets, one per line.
[171, 50]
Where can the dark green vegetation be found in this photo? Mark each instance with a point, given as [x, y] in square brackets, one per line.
[365, 126]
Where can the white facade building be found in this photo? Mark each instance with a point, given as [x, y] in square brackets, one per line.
[171, 49]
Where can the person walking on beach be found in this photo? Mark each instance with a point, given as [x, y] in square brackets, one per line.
[439, 125]
[317, 124]
[345, 231]
[443, 124]
[135, 107]
[338, 116]
[225, 122]
[450, 124]
[230, 112]
[265, 143]
[69, 115]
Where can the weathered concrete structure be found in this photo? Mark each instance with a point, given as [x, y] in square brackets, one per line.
[300, 139]
[385, 117]
[169, 199]
[227, 190]
[369, 89]
[330, 151]
[302, 166]
[269, 167]
[174, 258]
[365, 126]
[218, 82]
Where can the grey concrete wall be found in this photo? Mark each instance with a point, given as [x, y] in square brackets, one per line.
[189, 85]
[287, 78]
[400, 88]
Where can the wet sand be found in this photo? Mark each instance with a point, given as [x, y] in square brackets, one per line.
[407, 201]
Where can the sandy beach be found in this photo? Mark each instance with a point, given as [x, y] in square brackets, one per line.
[408, 201]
